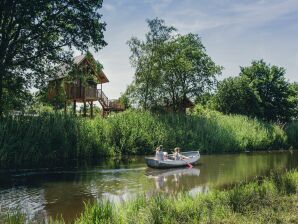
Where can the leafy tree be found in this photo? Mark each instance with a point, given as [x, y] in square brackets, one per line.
[260, 91]
[19, 98]
[293, 98]
[38, 35]
[205, 98]
[187, 71]
[169, 68]
[271, 89]
[234, 95]
[145, 58]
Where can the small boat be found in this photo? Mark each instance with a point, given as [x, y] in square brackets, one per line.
[193, 158]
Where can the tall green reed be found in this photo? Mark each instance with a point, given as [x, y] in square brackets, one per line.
[50, 139]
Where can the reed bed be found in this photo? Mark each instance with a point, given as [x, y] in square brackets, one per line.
[292, 134]
[55, 139]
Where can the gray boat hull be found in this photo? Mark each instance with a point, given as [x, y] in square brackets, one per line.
[193, 158]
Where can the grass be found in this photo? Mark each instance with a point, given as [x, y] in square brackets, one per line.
[272, 199]
[55, 139]
[292, 133]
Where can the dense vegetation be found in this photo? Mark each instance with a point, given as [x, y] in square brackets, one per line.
[260, 90]
[38, 36]
[273, 199]
[53, 139]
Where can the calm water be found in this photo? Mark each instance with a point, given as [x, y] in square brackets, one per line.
[41, 194]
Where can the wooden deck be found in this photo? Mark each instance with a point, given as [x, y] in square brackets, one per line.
[82, 94]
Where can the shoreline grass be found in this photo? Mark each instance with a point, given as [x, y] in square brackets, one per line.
[272, 199]
[55, 139]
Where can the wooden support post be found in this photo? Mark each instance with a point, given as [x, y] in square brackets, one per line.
[85, 109]
[74, 107]
[65, 103]
[91, 109]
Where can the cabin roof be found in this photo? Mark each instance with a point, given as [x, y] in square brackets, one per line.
[62, 73]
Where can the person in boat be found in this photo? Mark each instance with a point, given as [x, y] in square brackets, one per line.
[177, 155]
[159, 155]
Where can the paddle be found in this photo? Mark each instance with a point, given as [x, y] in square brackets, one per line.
[188, 164]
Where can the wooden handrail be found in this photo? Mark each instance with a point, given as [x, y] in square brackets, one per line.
[108, 104]
[102, 98]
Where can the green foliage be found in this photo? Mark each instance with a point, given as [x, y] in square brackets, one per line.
[51, 139]
[234, 95]
[134, 132]
[47, 140]
[271, 89]
[37, 36]
[260, 91]
[292, 133]
[222, 133]
[293, 98]
[15, 96]
[15, 217]
[169, 68]
[103, 213]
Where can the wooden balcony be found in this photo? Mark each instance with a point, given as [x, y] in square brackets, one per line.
[81, 93]
[91, 93]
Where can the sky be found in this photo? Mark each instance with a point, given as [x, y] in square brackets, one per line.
[234, 32]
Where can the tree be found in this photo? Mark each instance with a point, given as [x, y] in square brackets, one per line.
[260, 91]
[271, 89]
[187, 70]
[169, 68]
[145, 58]
[36, 36]
[293, 98]
[234, 95]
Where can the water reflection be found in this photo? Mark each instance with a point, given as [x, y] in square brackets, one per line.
[170, 181]
[52, 192]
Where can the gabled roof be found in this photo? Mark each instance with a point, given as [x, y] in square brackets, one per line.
[62, 73]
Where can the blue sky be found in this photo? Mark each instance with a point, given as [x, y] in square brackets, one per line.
[233, 32]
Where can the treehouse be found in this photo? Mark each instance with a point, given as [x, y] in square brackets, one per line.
[80, 85]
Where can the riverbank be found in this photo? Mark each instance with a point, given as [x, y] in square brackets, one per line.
[54, 139]
[272, 199]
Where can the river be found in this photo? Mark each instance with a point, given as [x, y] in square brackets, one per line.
[51, 193]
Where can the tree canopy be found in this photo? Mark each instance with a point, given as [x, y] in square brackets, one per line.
[38, 35]
[234, 95]
[260, 91]
[169, 68]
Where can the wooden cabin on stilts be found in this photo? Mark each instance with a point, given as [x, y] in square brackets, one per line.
[80, 85]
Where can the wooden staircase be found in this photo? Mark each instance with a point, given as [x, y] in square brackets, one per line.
[108, 105]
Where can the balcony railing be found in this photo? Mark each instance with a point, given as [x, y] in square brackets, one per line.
[92, 93]
[76, 92]
[116, 105]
